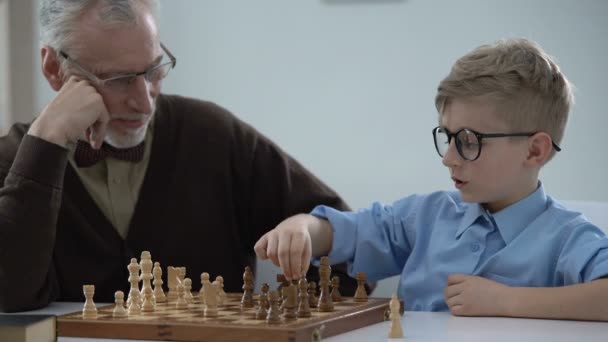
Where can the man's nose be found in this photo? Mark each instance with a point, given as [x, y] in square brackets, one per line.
[140, 99]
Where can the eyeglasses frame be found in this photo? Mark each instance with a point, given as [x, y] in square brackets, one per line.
[480, 137]
[101, 82]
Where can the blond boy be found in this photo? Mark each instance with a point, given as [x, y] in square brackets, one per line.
[499, 246]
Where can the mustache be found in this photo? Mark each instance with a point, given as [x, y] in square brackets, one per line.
[129, 116]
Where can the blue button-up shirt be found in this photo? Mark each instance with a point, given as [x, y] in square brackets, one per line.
[424, 238]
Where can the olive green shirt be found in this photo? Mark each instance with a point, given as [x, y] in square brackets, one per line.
[114, 184]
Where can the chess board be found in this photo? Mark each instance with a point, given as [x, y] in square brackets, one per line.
[232, 323]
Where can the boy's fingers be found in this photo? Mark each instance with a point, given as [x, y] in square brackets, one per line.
[452, 290]
[306, 255]
[456, 278]
[296, 252]
[260, 248]
[283, 256]
[271, 249]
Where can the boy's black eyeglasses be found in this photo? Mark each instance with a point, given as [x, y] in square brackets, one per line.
[468, 142]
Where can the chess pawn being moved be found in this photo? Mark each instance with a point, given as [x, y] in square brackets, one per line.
[89, 311]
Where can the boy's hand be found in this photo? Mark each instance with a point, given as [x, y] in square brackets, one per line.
[468, 295]
[288, 246]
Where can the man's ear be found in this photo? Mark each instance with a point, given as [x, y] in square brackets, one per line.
[539, 149]
[51, 67]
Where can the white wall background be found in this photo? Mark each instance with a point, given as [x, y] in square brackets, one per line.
[4, 66]
[347, 86]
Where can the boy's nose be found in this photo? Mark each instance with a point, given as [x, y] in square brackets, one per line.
[451, 157]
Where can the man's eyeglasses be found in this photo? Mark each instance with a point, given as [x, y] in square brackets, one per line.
[468, 142]
[121, 82]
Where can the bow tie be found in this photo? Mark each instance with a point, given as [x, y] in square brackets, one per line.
[86, 156]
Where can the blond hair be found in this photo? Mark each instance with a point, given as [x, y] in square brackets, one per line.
[524, 82]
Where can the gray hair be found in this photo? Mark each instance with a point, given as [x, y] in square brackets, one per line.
[58, 17]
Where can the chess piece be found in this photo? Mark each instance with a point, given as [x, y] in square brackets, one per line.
[221, 295]
[188, 291]
[172, 280]
[159, 294]
[210, 298]
[145, 265]
[89, 311]
[360, 294]
[303, 301]
[325, 302]
[265, 289]
[181, 294]
[273, 316]
[335, 289]
[313, 300]
[396, 331]
[181, 273]
[289, 302]
[134, 307]
[262, 310]
[119, 308]
[247, 300]
[201, 294]
[147, 303]
[133, 268]
[283, 282]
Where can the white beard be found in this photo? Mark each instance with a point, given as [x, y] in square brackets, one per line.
[127, 139]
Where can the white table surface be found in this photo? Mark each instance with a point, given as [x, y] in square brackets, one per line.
[437, 326]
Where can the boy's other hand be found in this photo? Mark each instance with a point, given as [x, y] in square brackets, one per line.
[288, 246]
[468, 295]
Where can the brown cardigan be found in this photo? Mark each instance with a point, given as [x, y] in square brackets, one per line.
[214, 185]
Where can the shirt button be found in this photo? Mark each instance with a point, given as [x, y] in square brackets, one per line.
[116, 180]
[475, 247]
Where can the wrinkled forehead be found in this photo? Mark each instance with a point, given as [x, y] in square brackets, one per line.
[117, 47]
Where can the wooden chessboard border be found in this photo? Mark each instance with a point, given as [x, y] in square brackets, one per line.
[305, 329]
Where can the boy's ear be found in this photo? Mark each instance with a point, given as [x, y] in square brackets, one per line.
[539, 149]
[51, 67]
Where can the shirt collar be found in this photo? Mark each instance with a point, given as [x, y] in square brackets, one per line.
[472, 212]
[513, 219]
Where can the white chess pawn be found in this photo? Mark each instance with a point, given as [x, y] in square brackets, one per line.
[89, 311]
[134, 308]
[119, 308]
[221, 295]
[396, 331]
[188, 291]
[181, 294]
[201, 294]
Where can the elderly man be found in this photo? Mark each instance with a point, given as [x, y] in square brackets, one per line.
[112, 167]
